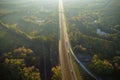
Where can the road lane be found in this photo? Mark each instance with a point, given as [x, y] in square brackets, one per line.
[65, 60]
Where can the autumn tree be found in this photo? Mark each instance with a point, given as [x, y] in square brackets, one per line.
[116, 62]
[101, 67]
[15, 67]
[57, 75]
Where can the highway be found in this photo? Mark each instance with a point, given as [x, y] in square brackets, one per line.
[65, 50]
[68, 72]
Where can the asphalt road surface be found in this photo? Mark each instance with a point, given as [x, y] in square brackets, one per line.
[68, 72]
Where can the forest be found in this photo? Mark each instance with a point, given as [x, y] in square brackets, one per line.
[28, 39]
[94, 32]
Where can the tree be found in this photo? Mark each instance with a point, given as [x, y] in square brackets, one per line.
[57, 75]
[116, 62]
[30, 73]
[101, 67]
[15, 66]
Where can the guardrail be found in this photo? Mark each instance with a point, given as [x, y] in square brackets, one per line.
[80, 63]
